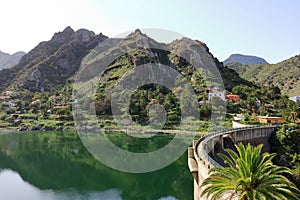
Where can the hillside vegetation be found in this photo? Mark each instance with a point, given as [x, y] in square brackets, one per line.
[285, 74]
[42, 83]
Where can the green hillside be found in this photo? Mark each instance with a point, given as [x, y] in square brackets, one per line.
[43, 81]
[285, 74]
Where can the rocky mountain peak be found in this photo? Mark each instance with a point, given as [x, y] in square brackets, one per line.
[83, 35]
[141, 40]
[64, 36]
[138, 31]
[180, 46]
[137, 35]
[52, 62]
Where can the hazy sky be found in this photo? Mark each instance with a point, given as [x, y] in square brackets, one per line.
[266, 28]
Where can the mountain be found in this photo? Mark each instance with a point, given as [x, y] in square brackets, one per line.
[285, 74]
[51, 63]
[7, 60]
[133, 54]
[47, 75]
[244, 59]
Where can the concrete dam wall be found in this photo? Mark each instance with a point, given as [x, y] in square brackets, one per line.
[202, 156]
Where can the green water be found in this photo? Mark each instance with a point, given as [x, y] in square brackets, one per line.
[38, 166]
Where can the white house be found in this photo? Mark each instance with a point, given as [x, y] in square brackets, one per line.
[73, 101]
[12, 105]
[295, 98]
[219, 94]
[38, 101]
[9, 93]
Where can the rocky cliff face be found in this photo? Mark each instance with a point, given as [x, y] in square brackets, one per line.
[51, 63]
[136, 51]
[7, 60]
[209, 63]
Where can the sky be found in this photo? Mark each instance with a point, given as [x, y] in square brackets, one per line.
[264, 28]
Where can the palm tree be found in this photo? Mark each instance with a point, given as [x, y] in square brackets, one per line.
[250, 176]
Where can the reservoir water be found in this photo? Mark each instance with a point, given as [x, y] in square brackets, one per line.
[56, 166]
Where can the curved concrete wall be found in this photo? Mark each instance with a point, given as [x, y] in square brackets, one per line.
[199, 160]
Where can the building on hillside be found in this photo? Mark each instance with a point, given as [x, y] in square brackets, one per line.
[233, 97]
[238, 117]
[73, 101]
[12, 105]
[61, 106]
[204, 102]
[219, 94]
[270, 120]
[295, 98]
[9, 93]
[38, 101]
[258, 103]
[4, 97]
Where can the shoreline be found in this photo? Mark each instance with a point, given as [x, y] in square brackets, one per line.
[114, 131]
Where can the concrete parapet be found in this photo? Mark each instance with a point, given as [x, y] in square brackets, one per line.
[200, 162]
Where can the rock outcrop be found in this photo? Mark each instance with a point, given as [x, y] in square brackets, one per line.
[51, 63]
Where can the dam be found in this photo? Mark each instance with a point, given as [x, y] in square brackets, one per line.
[202, 156]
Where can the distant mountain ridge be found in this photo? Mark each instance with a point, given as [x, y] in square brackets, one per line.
[285, 74]
[244, 59]
[7, 60]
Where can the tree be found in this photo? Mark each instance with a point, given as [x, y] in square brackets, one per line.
[250, 175]
[296, 172]
[289, 138]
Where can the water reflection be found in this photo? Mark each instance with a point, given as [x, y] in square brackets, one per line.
[13, 187]
[55, 166]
